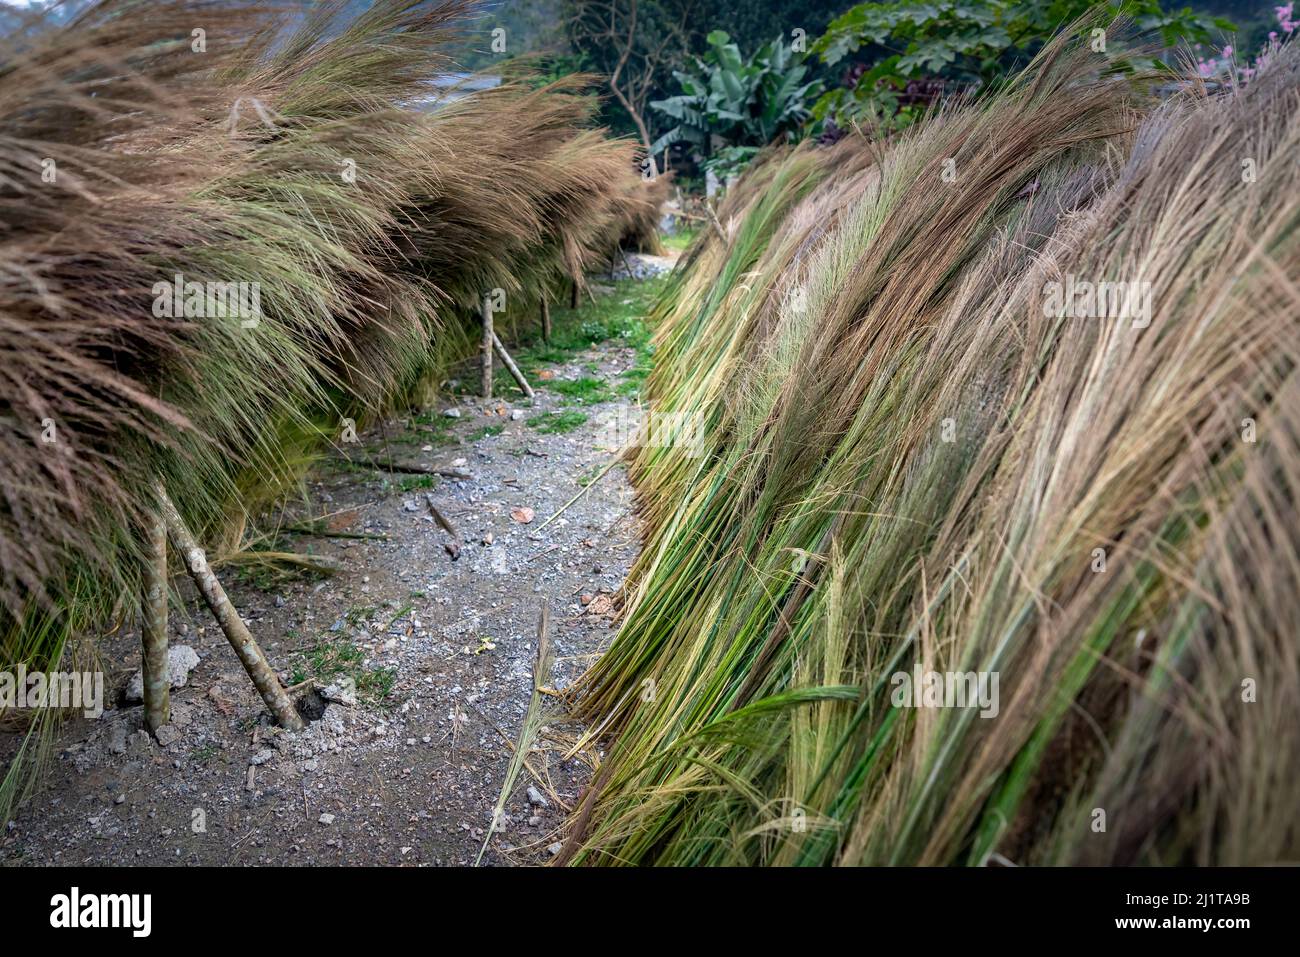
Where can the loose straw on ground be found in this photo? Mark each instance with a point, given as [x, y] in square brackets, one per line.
[532, 718]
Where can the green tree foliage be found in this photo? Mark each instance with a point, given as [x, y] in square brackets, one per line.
[968, 42]
[635, 45]
[742, 104]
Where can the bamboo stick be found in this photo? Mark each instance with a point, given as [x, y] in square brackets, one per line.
[487, 348]
[153, 629]
[250, 655]
[509, 363]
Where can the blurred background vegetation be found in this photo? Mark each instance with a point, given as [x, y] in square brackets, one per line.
[712, 81]
[706, 83]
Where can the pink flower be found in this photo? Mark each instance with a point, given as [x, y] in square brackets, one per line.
[1227, 51]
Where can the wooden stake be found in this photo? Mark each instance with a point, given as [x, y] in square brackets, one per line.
[510, 365]
[717, 226]
[573, 303]
[546, 320]
[237, 633]
[153, 629]
[487, 348]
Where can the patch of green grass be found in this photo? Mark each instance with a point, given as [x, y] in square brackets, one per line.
[590, 475]
[618, 315]
[557, 422]
[329, 661]
[358, 613]
[679, 241]
[633, 379]
[485, 432]
[348, 465]
[583, 391]
[437, 428]
[412, 483]
[376, 684]
[204, 754]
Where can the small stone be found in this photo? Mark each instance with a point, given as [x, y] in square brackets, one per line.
[516, 415]
[554, 849]
[266, 754]
[181, 660]
[117, 739]
[326, 819]
[140, 745]
[585, 598]
[452, 413]
[168, 735]
[534, 820]
[340, 694]
[120, 799]
[535, 797]
[279, 601]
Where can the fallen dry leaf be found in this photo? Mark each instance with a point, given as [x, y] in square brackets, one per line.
[522, 514]
[224, 704]
[342, 521]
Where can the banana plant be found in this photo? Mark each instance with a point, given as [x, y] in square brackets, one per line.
[732, 102]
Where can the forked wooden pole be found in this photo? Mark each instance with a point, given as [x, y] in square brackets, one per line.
[153, 628]
[255, 663]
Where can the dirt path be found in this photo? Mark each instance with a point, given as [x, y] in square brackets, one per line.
[440, 649]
